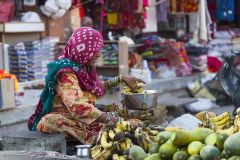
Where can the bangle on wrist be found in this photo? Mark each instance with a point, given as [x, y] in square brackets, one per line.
[121, 78]
[107, 119]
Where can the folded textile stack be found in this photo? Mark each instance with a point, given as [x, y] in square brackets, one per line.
[34, 59]
[18, 61]
[53, 48]
[236, 44]
[199, 63]
[110, 54]
[221, 45]
[45, 47]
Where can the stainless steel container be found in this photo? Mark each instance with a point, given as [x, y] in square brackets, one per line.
[84, 151]
[141, 101]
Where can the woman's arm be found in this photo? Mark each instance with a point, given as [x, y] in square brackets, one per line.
[128, 80]
[112, 82]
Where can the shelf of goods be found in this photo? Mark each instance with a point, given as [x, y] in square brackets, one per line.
[14, 32]
[114, 59]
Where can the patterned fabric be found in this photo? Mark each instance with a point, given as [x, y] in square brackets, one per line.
[45, 103]
[73, 111]
[83, 44]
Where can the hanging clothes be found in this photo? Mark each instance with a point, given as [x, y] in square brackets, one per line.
[112, 18]
[203, 32]
[162, 11]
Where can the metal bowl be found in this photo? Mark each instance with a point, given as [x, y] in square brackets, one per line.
[141, 101]
[83, 151]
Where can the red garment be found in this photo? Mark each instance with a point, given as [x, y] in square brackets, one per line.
[214, 64]
[6, 10]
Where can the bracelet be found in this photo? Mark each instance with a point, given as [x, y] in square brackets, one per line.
[120, 119]
[107, 119]
[115, 81]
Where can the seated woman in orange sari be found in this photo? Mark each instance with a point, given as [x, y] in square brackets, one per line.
[66, 104]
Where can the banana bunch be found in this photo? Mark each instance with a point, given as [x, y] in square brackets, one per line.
[98, 152]
[117, 157]
[151, 133]
[229, 131]
[237, 118]
[113, 140]
[123, 126]
[136, 85]
[221, 121]
[120, 147]
[143, 139]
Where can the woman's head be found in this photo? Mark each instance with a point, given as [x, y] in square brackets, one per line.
[84, 45]
[87, 21]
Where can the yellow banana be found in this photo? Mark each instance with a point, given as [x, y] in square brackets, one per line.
[222, 122]
[128, 142]
[119, 125]
[105, 154]
[220, 126]
[118, 130]
[104, 143]
[137, 132]
[153, 132]
[116, 157]
[123, 158]
[228, 131]
[237, 121]
[95, 151]
[123, 146]
[238, 111]
[111, 134]
[220, 117]
[172, 129]
[144, 141]
[129, 128]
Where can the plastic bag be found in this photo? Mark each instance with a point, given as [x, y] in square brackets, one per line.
[31, 17]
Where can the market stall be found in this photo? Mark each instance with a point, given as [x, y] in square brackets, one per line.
[177, 47]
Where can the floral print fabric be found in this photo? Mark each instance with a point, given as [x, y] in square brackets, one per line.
[73, 111]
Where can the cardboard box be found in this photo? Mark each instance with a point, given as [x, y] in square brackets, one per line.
[7, 93]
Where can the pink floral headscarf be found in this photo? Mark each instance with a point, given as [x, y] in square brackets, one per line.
[83, 44]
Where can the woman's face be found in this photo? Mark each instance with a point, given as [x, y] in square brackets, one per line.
[93, 60]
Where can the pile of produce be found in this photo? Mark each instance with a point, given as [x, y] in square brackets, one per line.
[222, 123]
[220, 141]
[136, 85]
[117, 142]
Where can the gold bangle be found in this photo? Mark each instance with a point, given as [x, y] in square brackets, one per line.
[121, 78]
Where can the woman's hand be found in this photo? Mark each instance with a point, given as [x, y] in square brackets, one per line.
[128, 80]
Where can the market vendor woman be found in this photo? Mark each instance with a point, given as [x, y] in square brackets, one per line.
[66, 104]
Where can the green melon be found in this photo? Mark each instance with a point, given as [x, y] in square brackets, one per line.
[154, 156]
[195, 157]
[232, 145]
[211, 139]
[221, 137]
[180, 155]
[163, 137]
[234, 158]
[167, 150]
[210, 152]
